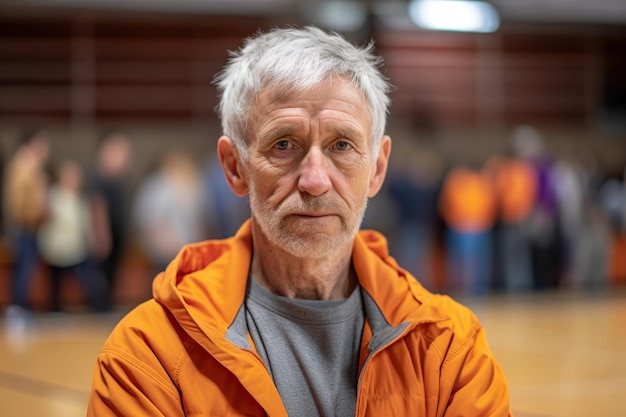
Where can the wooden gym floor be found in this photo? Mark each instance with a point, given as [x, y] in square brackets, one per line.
[564, 356]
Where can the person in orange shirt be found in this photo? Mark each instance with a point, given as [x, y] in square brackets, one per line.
[515, 185]
[300, 313]
[467, 206]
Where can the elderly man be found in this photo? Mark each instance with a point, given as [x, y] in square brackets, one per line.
[299, 313]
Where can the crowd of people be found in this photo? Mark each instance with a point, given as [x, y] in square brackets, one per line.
[520, 221]
[66, 218]
[75, 219]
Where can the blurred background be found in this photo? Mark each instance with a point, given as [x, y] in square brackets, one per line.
[507, 171]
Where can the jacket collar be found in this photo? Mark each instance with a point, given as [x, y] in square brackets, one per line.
[394, 300]
[204, 287]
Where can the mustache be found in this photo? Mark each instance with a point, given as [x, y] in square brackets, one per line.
[306, 204]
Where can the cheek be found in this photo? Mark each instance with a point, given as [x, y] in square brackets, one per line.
[355, 182]
[270, 189]
[353, 193]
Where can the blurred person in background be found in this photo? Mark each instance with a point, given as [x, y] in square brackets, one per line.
[414, 184]
[543, 228]
[468, 208]
[571, 191]
[65, 239]
[24, 193]
[107, 190]
[612, 202]
[224, 211]
[515, 186]
[594, 244]
[167, 211]
[591, 254]
[299, 313]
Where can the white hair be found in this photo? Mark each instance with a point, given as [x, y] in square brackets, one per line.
[297, 59]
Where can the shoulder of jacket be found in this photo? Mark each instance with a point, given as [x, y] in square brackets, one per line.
[452, 327]
[149, 338]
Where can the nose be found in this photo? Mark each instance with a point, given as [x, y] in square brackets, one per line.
[314, 177]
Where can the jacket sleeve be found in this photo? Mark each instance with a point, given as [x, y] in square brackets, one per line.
[479, 386]
[125, 386]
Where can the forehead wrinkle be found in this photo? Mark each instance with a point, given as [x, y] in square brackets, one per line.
[347, 122]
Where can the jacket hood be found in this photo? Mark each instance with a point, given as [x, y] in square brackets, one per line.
[193, 287]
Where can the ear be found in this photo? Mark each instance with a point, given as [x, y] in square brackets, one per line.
[380, 171]
[232, 166]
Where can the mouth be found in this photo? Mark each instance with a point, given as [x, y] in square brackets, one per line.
[314, 214]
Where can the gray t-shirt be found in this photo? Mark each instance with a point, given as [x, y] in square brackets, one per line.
[310, 347]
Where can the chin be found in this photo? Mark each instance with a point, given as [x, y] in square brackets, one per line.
[313, 246]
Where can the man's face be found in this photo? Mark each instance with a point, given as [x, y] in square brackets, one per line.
[310, 167]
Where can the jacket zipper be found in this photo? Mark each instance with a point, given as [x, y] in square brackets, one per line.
[367, 361]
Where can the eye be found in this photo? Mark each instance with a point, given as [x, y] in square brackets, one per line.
[282, 145]
[342, 145]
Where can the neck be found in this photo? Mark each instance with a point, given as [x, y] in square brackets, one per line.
[282, 273]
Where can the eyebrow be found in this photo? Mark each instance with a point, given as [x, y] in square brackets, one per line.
[347, 132]
[277, 132]
[288, 130]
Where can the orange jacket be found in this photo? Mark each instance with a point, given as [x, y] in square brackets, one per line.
[186, 353]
